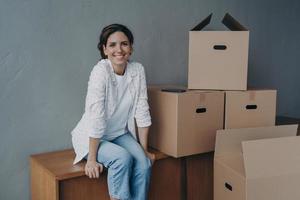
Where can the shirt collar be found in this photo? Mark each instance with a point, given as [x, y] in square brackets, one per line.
[129, 70]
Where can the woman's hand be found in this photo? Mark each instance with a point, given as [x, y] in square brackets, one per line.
[151, 156]
[93, 169]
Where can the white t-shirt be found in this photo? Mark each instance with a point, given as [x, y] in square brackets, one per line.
[117, 124]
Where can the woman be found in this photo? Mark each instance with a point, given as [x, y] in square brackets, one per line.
[105, 135]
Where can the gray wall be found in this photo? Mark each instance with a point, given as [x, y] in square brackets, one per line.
[48, 48]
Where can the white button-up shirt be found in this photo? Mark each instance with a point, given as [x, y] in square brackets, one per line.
[101, 100]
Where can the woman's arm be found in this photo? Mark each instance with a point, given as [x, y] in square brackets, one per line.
[95, 111]
[143, 137]
[142, 115]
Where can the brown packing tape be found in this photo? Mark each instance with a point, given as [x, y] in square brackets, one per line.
[202, 97]
[201, 105]
[252, 95]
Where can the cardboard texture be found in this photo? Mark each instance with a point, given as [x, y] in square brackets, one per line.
[257, 163]
[185, 123]
[251, 108]
[218, 59]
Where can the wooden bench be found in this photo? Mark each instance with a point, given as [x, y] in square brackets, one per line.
[54, 177]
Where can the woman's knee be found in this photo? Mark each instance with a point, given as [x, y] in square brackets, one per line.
[123, 160]
[144, 165]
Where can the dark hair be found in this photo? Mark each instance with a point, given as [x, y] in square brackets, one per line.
[110, 29]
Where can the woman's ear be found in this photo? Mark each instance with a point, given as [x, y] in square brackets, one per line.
[131, 50]
[104, 50]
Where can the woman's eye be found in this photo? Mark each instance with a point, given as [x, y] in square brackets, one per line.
[125, 43]
[112, 45]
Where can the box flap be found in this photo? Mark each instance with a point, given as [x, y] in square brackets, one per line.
[232, 24]
[202, 24]
[271, 157]
[229, 140]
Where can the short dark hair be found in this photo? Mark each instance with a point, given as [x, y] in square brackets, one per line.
[110, 29]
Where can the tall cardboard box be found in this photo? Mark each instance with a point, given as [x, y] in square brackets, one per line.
[251, 108]
[218, 59]
[257, 164]
[185, 123]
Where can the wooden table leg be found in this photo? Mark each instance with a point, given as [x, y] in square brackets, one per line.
[167, 180]
[199, 172]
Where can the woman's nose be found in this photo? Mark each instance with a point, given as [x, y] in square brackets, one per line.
[118, 48]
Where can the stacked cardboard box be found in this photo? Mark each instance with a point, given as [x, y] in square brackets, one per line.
[251, 108]
[185, 120]
[185, 123]
[218, 60]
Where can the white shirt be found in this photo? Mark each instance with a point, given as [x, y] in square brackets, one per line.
[117, 124]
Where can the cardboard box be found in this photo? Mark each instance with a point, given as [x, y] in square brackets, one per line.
[257, 164]
[251, 108]
[185, 123]
[218, 59]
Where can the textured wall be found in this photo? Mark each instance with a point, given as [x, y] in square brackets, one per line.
[48, 48]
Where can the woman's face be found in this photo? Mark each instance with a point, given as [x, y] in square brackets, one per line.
[118, 49]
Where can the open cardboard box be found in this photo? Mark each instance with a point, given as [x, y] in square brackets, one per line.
[218, 59]
[257, 164]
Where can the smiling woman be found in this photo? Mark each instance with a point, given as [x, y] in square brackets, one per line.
[106, 135]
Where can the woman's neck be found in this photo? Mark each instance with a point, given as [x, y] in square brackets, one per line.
[118, 69]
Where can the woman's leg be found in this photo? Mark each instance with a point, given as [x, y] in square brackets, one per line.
[119, 162]
[140, 179]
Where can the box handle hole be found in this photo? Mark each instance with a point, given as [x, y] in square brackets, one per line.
[228, 186]
[220, 47]
[200, 110]
[251, 107]
[173, 90]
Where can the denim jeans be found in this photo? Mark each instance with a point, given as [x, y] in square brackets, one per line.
[129, 169]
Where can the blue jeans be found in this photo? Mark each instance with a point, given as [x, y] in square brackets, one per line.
[129, 169]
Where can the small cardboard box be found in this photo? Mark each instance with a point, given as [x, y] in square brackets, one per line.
[251, 108]
[184, 123]
[218, 59]
[257, 164]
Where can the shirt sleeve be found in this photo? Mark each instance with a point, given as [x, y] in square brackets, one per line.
[95, 103]
[142, 114]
